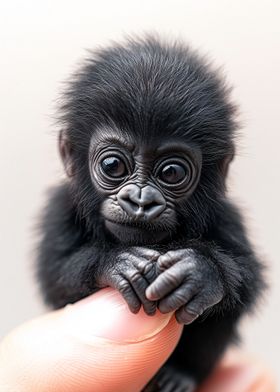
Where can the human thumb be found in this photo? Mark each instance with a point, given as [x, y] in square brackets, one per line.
[97, 344]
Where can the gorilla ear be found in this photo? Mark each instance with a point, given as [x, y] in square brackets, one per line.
[224, 165]
[66, 153]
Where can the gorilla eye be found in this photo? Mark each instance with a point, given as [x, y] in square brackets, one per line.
[113, 167]
[172, 173]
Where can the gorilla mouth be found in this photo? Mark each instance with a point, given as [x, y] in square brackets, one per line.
[136, 232]
[136, 225]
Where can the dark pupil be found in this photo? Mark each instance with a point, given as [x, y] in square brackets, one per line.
[113, 167]
[173, 173]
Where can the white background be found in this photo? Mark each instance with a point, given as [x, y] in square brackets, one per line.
[40, 44]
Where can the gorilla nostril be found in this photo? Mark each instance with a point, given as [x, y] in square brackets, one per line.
[153, 210]
[150, 206]
[131, 204]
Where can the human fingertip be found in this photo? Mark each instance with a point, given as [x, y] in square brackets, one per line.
[106, 315]
[239, 373]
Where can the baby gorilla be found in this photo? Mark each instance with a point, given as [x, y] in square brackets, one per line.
[147, 135]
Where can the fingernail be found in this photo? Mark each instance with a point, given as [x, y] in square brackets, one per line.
[106, 315]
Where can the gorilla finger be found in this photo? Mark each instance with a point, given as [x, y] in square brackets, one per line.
[168, 259]
[165, 283]
[194, 308]
[151, 254]
[128, 294]
[140, 285]
[147, 268]
[185, 316]
[149, 272]
[177, 298]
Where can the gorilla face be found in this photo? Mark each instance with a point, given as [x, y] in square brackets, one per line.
[141, 184]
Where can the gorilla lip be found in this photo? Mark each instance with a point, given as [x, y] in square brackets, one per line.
[137, 225]
[128, 232]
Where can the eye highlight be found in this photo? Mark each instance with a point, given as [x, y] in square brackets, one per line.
[173, 173]
[113, 166]
[176, 173]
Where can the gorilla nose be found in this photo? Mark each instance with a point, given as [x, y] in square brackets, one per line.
[146, 203]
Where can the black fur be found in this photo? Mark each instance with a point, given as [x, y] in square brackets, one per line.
[151, 90]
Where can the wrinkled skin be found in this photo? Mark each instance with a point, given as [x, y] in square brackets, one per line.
[131, 273]
[177, 281]
[187, 284]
